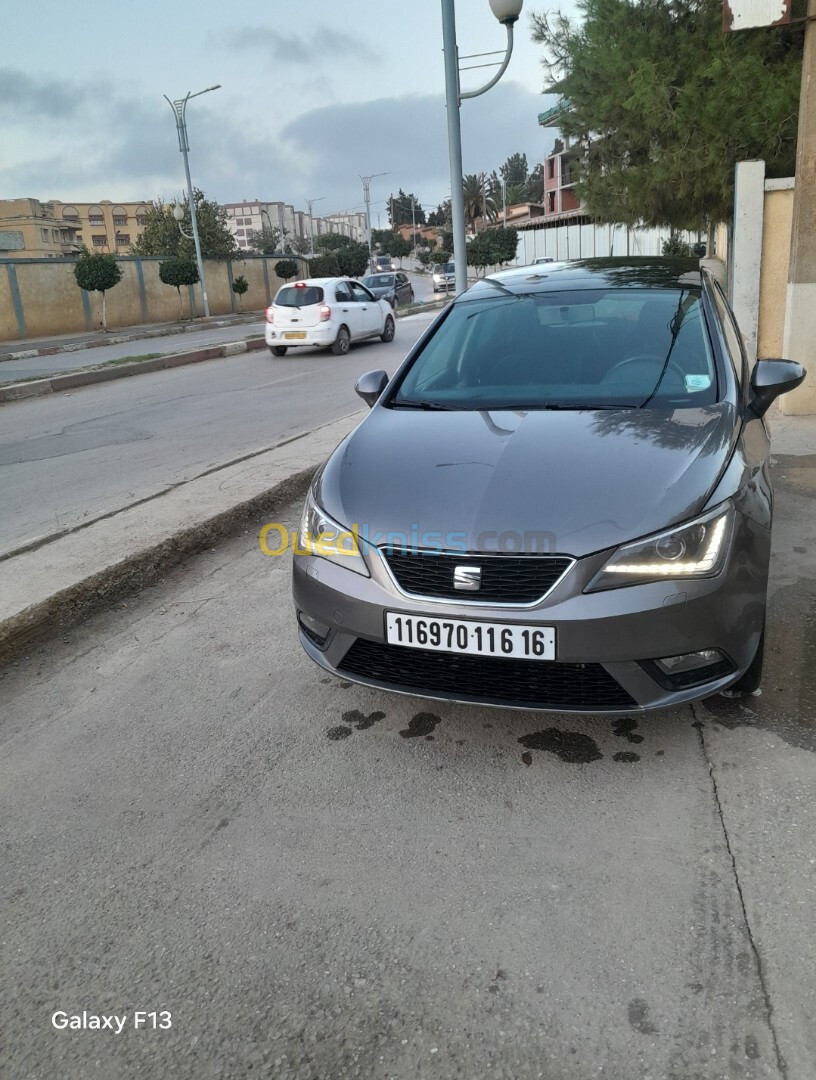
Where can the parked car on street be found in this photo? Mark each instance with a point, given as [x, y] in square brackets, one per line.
[393, 287]
[561, 500]
[328, 313]
[444, 277]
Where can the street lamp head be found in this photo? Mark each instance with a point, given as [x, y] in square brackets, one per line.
[506, 11]
[178, 212]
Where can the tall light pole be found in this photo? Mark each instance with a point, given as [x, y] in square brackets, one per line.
[309, 203]
[504, 202]
[366, 195]
[507, 12]
[179, 111]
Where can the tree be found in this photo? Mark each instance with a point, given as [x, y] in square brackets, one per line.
[492, 247]
[298, 245]
[400, 210]
[162, 235]
[239, 287]
[178, 271]
[324, 266]
[666, 104]
[400, 247]
[350, 257]
[478, 203]
[267, 241]
[97, 273]
[442, 215]
[382, 239]
[287, 268]
[514, 170]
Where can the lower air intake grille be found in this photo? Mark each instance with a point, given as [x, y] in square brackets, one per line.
[537, 683]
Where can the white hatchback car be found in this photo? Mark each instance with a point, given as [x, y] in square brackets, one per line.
[327, 313]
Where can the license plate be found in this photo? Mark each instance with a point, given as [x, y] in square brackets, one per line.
[468, 636]
[290, 334]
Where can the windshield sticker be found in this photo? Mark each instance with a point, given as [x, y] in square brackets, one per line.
[695, 383]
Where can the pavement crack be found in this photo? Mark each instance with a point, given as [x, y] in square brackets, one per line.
[699, 723]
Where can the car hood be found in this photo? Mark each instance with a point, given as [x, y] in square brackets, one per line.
[589, 480]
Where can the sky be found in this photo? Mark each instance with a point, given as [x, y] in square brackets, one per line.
[313, 94]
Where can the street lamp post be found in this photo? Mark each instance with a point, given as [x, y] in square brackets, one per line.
[309, 203]
[507, 12]
[366, 185]
[179, 108]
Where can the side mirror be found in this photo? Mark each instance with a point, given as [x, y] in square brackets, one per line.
[372, 384]
[769, 379]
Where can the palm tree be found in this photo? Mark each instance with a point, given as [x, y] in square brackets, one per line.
[478, 203]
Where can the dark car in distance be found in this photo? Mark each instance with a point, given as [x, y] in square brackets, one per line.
[561, 500]
[393, 287]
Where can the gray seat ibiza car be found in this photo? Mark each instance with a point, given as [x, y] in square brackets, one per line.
[560, 501]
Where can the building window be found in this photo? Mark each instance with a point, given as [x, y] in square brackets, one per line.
[79, 237]
[551, 202]
[55, 235]
[551, 168]
[122, 239]
[250, 232]
[119, 220]
[96, 220]
[44, 233]
[239, 232]
[141, 222]
[100, 241]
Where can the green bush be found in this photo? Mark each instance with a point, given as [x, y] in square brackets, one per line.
[178, 271]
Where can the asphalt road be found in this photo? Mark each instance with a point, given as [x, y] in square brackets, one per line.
[14, 370]
[69, 457]
[318, 880]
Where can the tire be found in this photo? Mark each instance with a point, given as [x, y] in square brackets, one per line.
[342, 342]
[278, 350]
[388, 330]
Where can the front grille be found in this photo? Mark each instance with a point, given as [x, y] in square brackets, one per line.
[542, 684]
[506, 579]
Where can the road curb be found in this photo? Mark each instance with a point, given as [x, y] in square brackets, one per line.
[160, 330]
[71, 578]
[71, 380]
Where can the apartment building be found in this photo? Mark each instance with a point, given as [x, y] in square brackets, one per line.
[105, 226]
[30, 229]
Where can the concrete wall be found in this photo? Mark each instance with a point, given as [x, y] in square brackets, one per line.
[39, 297]
[776, 242]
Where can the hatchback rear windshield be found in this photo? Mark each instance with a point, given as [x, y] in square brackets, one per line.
[604, 348]
[299, 296]
[379, 281]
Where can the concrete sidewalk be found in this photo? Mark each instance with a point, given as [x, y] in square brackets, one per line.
[63, 581]
[24, 348]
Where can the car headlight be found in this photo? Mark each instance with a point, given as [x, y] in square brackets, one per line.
[693, 550]
[322, 536]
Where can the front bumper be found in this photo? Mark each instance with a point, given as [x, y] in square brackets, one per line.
[604, 640]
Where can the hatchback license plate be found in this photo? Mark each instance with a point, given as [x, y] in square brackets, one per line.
[290, 334]
[467, 636]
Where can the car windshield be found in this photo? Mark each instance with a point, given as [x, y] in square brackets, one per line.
[381, 281]
[601, 348]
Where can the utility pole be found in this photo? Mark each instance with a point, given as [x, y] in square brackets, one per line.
[310, 203]
[800, 306]
[367, 196]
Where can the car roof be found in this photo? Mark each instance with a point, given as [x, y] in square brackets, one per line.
[616, 273]
[321, 281]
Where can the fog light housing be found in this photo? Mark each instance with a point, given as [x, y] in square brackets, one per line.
[688, 669]
[316, 631]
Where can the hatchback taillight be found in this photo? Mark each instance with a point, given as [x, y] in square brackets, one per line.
[325, 313]
[270, 315]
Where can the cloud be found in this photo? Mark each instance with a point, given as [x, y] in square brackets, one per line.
[324, 44]
[23, 97]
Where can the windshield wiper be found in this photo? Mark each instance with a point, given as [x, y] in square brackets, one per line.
[554, 406]
[428, 406]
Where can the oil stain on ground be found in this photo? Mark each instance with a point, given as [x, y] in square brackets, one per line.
[625, 728]
[572, 747]
[420, 725]
[353, 719]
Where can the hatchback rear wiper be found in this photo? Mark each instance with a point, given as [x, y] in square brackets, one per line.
[428, 406]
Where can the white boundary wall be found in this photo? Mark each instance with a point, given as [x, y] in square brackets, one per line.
[592, 242]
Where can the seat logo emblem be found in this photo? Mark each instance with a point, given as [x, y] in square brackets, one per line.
[467, 578]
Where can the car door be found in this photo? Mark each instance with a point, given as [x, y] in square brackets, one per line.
[371, 317]
[348, 310]
[403, 289]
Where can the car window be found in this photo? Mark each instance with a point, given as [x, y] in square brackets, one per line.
[593, 348]
[342, 292]
[378, 281]
[360, 294]
[299, 295]
[402, 279]
[450, 268]
[730, 333]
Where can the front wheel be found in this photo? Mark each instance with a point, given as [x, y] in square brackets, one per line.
[342, 342]
[278, 350]
[388, 330]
